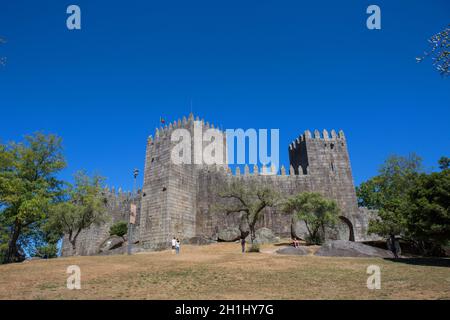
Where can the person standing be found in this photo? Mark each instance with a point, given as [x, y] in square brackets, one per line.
[243, 244]
[177, 246]
[394, 246]
[174, 244]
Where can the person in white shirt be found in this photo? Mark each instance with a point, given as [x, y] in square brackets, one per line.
[177, 246]
[174, 244]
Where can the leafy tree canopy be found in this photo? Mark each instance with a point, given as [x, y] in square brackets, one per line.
[28, 188]
[388, 193]
[248, 199]
[119, 229]
[84, 206]
[316, 211]
[444, 163]
[428, 211]
[439, 51]
[411, 203]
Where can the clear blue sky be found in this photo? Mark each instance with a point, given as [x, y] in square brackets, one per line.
[292, 65]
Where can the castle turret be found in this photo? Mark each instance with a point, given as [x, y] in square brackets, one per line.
[321, 154]
[324, 157]
[169, 197]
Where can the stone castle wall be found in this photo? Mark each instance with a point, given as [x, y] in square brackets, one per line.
[178, 199]
[118, 209]
[209, 221]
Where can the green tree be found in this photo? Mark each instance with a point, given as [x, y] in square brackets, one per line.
[47, 251]
[316, 211]
[444, 163]
[28, 188]
[4, 239]
[85, 206]
[439, 51]
[428, 212]
[388, 193]
[249, 200]
[411, 203]
[119, 229]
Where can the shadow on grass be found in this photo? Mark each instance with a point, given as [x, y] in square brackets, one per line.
[429, 262]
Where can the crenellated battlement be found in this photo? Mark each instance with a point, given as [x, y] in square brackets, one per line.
[120, 193]
[256, 171]
[182, 123]
[318, 136]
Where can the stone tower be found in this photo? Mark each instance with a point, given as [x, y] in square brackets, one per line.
[324, 157]
[321, 154]
[170, 190]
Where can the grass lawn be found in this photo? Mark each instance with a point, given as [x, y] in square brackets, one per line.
[220, 271]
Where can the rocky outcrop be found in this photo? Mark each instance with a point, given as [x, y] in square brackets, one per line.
[299, 251]
[199, 241]
[263, 236]
[298, 229]
[341, 248]
[229, 235]
[111, 243]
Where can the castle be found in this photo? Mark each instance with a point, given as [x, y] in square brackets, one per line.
[177, 199]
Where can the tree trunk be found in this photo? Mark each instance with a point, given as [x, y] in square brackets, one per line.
[12, 247]
[252, 233]
[73, 241]
[74, 246]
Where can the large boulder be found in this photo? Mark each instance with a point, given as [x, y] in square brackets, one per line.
[263, 236]
[229, 235]
[116, 251]
[199, 241]
[113, 242]
[299, 230]
[340, 231]
[299, 251]
[342, 248]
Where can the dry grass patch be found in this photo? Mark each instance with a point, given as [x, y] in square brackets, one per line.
[220, 271]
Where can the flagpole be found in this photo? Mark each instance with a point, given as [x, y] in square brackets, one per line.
[130, 225]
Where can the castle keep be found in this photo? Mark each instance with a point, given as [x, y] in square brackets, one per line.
[178, 199]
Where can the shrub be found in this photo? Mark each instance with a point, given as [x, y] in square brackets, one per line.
[119, 229]
[49, 251]
[254, 248]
